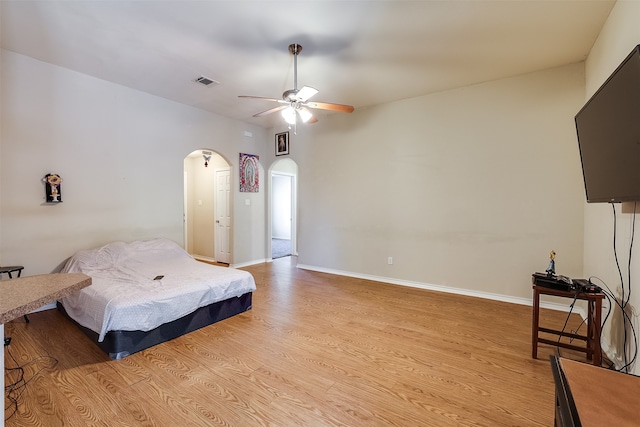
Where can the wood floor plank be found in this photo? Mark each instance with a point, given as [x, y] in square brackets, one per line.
[315, 350]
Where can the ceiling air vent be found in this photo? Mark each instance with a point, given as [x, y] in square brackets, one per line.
[206, 81]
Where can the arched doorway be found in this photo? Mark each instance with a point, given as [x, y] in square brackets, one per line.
[208, 206]
[284, 183]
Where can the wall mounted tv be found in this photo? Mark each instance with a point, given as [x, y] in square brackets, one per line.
[608, 129]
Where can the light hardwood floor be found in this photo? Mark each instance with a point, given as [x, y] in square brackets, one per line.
[315, 350]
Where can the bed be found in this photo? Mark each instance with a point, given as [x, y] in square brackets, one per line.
[147, 292]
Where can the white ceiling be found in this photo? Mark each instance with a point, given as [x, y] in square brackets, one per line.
[360, 53]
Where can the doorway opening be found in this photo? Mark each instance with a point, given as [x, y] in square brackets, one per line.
[284, 175]
[208, 207]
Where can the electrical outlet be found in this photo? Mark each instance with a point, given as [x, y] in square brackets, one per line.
[390, 260]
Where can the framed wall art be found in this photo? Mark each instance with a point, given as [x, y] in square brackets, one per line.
[249, 178]
[282, 143]
[52, 190]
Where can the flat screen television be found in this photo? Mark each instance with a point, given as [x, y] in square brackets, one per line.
[608, 128]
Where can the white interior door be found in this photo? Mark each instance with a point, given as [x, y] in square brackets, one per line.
[282, 187]
[185, 212]
[223, 216]
[2, 370]
[283, 211]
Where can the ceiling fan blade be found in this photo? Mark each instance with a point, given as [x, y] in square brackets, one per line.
[305, 93]
[294, 101]
[271, 110]
[328, 106]
[260, 97]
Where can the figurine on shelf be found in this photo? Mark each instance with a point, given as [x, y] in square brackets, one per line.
[551, 270]
[52, 188]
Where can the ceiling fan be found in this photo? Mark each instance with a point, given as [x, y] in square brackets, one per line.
[295, 102]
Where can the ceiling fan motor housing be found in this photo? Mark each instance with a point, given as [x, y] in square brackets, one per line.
[290, 95]
[295, 48]
[297, 99]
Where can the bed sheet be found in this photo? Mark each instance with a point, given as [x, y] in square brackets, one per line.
[124, 295]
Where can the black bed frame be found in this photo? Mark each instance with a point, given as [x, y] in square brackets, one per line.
[119, 344]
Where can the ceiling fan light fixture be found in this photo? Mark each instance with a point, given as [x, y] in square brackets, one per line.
[305, 114]
[295, 101]
[289, 115]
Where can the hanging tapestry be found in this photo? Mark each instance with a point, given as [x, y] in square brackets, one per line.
[249, 180]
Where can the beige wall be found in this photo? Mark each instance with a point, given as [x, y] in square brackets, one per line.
[469, 188]
[120, 154]
[466, 189]
[1, 90]
[200, 203]
[619, 35]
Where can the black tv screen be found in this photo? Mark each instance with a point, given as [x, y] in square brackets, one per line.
[608, 128]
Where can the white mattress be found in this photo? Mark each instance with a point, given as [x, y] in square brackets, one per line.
[124, 295]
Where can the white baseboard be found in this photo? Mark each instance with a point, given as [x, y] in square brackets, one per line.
[203, 258]
[606, 347]
[428, 286]
[440, 288]
[248, 263]
[45, 307]
[49, 306]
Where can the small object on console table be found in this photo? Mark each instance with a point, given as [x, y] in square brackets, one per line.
[551, 270]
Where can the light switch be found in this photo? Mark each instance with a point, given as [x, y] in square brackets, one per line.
[247, 202]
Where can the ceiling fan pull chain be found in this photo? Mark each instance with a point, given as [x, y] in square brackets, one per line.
[295, 127]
